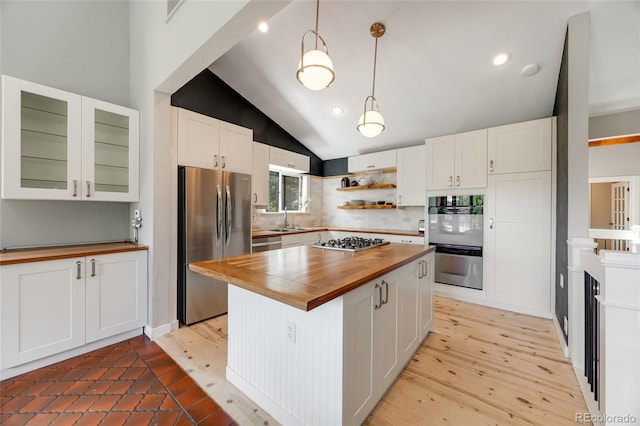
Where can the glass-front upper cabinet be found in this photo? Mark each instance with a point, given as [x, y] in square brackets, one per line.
[110, 151]
[58, 145]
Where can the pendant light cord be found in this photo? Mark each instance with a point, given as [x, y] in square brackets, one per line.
[317, 14]
[375, 60]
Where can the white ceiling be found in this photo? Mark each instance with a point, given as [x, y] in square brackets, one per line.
[434, 71]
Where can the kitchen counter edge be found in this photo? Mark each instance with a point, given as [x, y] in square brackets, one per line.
[40, 254]
[261, 233]
[226, 270]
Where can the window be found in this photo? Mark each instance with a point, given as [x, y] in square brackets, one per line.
[287, 190]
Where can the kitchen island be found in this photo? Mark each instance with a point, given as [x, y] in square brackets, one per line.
[316, 336]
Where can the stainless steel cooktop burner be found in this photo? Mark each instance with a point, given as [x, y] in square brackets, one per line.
[351, 244]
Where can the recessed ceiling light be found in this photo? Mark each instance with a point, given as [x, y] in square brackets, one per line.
[263, 27]
[530, 70]
[501, 59]
[337, 110]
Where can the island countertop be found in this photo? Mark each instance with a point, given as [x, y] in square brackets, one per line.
[306, 277]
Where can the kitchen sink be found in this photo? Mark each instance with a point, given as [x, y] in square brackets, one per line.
[288, 229]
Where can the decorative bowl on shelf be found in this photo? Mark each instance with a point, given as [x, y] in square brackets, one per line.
[357, 202]
[364, 181]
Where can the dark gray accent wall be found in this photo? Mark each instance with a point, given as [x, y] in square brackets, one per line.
[335, 167]
[561, 110]
[207, 94]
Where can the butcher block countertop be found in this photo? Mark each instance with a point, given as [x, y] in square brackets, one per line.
[37, 254]
[306, 277]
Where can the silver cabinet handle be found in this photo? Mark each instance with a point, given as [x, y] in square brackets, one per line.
[386, 292]
[215, 160]
[379, 305]
[255, 197]
[371, 167]
[457, 180]
[450, 180]
[224, 162]
[293, 166]
[75, 188]
[491, 165]
[491, 223]
[88, 189]
[426, 270]
[78, 270]
[399, 199]
[93, 267]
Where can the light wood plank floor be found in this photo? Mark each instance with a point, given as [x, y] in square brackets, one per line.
[480, 366]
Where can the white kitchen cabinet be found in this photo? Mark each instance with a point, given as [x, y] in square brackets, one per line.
[58, 145]
[373, 161]
[49, 307]
[301, 239]
[411, 176]
[371, 345]
[457, 161]
[426, 278]
[408, 330]
[116, 294]
[43, 309]
[210, 143]
[521, 147]
[288, 161]
[260, 175]
[517, 237]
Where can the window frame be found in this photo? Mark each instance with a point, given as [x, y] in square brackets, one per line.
[303, 191]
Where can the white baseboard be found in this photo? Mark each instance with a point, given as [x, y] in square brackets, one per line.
[587, 395]
[43, 362]
[563, 344]
[155, 332]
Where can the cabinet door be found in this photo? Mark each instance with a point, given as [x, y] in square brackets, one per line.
[520, 147]
[360, 393]
[236, 148]
[471, 159]
[408, 332]
[110, 152]
[260, 175]
[116, 288]
[440, 158]
[425, 289]
[517, 237]
[41, 142]
[198, 140]
[288, 160]
[387, 317]
[373, 161]
[43, 309]
[411, 176]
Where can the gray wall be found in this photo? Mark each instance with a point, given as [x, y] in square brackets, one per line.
[612, 125]
[80, 47]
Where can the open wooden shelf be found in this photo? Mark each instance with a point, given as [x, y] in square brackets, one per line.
[385, 206]
[374, 186]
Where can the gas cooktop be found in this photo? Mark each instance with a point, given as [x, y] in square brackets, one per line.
[351, 244]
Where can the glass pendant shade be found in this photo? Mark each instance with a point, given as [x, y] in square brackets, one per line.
[371, 124]
[315, 70]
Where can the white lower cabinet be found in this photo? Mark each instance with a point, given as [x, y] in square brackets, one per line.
[52, 306]
[116, 294]
[385, 322]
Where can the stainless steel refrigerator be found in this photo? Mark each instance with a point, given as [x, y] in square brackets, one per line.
[214, 221]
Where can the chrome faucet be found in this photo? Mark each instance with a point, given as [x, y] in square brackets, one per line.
[286, 222]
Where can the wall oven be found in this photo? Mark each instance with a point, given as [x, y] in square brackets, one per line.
[455, 229]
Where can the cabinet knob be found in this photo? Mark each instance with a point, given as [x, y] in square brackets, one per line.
[457, 180]
[491, 165]
[75, 188]
[491, 223]
[88, 189]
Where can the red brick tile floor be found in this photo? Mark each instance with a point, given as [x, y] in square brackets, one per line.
[129, 383]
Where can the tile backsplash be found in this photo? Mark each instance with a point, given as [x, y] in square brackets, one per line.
[323, 209]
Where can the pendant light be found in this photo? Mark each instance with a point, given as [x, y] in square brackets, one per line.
[315, 70]
[371, 122]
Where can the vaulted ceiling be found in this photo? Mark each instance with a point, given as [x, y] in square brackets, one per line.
[434, 70]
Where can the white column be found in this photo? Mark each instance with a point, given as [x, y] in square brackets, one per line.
[620, 337]
[576, 298]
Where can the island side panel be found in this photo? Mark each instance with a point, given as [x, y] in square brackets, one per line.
[296, 382]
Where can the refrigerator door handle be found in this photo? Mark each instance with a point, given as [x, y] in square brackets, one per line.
[228, 229]
[218, 213]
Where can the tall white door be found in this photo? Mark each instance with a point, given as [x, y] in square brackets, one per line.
[518, 241]
[619, 211]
